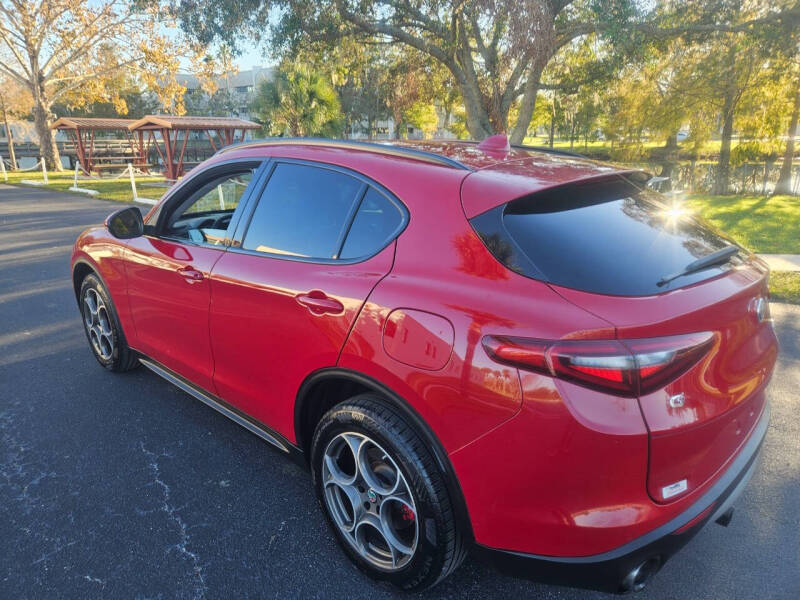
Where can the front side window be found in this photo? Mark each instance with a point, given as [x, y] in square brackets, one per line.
[204, 217]
[303, 212]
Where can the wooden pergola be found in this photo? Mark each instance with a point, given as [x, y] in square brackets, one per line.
[175, 132]
[82, 132]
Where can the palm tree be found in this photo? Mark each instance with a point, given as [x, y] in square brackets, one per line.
[298, 102]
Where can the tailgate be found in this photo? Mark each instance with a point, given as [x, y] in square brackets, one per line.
[699, 421]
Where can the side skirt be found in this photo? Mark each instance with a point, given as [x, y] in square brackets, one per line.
[234, 414]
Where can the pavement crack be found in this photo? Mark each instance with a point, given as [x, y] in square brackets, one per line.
[14, 470]
[98, 581]
[173, 514]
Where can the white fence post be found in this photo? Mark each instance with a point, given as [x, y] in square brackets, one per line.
[133, 182]
[136, 197]
[3, 169]
[75, 187]
[44, 171]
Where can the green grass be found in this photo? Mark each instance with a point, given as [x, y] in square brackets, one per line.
[118, 190]
[767, 224]
[784, 286]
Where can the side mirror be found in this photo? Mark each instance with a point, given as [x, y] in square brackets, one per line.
[125, 223]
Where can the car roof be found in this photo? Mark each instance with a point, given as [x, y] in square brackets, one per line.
[494, 173]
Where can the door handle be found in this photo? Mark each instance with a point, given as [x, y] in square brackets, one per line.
[320, 303]
[190, 274]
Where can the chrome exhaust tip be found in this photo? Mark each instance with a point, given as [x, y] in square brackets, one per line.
[637, 578]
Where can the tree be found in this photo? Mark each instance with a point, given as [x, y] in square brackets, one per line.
[61, 48]
[15, 101]
[422, 115]
[360, 76]
[298, 101]
[786, 41]
[496, 50]
[784, 184]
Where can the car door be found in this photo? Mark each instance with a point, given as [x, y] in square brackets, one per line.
[310, 249]
[167, 269]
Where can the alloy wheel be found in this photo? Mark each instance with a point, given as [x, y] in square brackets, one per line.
[98, 324]
[370, 501]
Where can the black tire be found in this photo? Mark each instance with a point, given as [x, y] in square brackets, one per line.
[120, 357]
[441, 547]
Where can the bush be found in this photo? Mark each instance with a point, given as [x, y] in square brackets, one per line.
[755, 152]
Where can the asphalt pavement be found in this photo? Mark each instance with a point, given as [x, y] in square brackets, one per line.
[122, 486]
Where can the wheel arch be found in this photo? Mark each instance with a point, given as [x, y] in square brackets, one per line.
[80, 269]
[328, 387]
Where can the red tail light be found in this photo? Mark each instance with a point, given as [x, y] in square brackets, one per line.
[624, 367]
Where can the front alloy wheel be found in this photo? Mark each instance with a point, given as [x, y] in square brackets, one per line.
[101, 324]
[98, 324]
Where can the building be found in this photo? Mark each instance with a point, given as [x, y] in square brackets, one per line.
[239, 87]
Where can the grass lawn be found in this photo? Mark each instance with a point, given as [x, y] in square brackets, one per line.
[768, 224]
[784, 287]
[108, 188]
[763, 224]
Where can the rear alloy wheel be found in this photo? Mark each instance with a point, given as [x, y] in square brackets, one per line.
[370, 501]
[102, 327]
[384, 495]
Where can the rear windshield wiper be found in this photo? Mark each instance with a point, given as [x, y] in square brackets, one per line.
[715, 258]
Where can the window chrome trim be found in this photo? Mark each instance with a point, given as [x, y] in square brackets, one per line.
[255, 197]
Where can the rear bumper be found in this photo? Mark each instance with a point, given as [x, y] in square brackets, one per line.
[606, 571]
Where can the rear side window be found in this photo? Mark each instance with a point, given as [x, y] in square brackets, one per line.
[608, 238]
[303, 212]
[377, 221]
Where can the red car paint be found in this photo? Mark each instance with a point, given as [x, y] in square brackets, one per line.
[546, 466]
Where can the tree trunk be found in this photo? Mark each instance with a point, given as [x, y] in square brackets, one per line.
[722, 177]
[784, 185]
[477, 115]
[41, 118]
[528, 104]
[572, 134]
[12, 157]
[669, 158]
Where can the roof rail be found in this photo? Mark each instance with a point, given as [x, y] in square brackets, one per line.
[389, 149]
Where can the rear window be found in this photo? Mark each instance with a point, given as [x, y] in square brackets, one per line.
[607, 237]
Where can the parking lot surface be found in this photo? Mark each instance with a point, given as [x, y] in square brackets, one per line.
[122, 486]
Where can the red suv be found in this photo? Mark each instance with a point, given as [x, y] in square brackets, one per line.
[514, 351]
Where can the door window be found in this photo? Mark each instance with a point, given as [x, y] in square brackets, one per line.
[303, 212]
[204, 217]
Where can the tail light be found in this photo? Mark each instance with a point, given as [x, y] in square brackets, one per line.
[630, 367]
